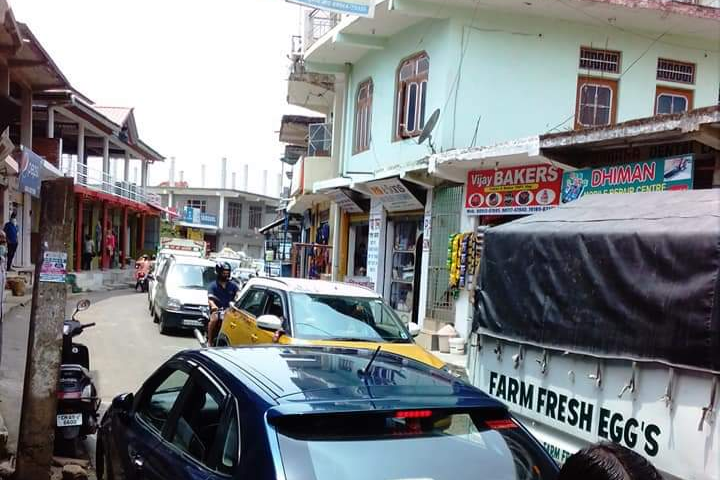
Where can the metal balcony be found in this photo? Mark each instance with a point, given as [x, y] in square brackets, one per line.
[317, 24]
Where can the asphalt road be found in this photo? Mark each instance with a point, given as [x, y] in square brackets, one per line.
[125, 345]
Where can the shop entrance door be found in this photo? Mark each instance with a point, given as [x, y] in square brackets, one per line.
[445, 218]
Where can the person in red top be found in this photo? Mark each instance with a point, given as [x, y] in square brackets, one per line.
[110, 246]
[142, 268]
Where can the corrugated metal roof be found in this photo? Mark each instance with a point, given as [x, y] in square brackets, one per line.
[117, 115]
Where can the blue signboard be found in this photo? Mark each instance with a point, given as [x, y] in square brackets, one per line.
[195, 216]
[361, 8]
[29, 178]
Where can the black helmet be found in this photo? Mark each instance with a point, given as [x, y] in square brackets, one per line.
[221, 267]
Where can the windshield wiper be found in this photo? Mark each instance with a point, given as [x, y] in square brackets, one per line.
[353, 339]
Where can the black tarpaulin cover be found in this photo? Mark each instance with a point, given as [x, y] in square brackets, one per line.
[625, 274]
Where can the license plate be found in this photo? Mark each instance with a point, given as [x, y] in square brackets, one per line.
[192, 322]
[69, 420]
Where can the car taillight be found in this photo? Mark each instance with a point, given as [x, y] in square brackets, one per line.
[413, 414]
[501, 424]
[68, 395]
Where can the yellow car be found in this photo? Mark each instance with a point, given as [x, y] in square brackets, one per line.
[298, 311]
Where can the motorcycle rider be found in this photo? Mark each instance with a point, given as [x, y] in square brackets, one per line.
[220, 294]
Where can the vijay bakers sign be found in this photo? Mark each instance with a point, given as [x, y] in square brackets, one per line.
[513, 190]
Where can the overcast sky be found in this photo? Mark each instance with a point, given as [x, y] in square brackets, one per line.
[207, 79]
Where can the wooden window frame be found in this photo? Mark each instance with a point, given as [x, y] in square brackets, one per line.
[363, 106]
[234, 212]
[604, 50]
[678, 92]
[604, 82]
[253, 214]
[679, 62]
[400, 99]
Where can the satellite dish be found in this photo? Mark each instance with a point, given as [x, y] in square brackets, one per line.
[426, 134]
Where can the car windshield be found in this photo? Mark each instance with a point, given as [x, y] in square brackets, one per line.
[392, 446]
[327, 317]
[191, 276]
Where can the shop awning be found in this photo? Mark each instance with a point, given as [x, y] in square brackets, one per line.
[271, 225]
[170, 213]
[199, 226]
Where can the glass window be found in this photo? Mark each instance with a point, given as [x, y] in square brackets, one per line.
[191, 276]
[668, 103]
[253, 302]
[156, 406]
[255, 220]
[230, 450]
[198, 421]
[194, 203]
[411, 96]
[275, 305]
[363, 116]
[340, 447]
[234, 215]
[324, 317]
[595, 104]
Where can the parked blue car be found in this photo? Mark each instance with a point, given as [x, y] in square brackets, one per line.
[311, 413]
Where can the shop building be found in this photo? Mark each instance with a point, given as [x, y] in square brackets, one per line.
[220, 217]
[377, 81]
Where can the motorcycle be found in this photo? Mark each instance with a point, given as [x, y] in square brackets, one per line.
[77, 398]
[201, 338]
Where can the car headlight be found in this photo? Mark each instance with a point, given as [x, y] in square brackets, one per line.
[174, 304]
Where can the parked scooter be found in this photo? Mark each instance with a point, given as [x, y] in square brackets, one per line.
[77, 398]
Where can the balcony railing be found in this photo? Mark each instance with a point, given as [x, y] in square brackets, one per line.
[317, 24]
[319, 139]
[106, 183]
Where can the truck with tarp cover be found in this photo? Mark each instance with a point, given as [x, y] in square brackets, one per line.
[600, 320]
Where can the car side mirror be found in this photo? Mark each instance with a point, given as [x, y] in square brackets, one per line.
[269, 322]
[123, 404]
[414, 329]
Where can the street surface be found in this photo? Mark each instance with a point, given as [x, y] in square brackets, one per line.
[125, 348]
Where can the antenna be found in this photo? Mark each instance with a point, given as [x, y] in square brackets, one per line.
[426, 133]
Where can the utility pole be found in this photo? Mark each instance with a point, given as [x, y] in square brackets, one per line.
[37, 420]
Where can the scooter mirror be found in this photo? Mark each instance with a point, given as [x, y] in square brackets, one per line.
[83, 305]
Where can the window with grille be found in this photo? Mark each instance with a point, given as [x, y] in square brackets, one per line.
[674, 71]
[255, 220]
[363, 116]
[234, 215]
[194, 203]
[601, 60]
[412, 79]
[596, 100]
[672, 100]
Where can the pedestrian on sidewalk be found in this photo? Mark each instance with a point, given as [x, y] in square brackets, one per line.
[88, 252]
[11, 234]
[110, 246]
[607, 461]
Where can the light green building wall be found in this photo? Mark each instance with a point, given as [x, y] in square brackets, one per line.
[518, 75]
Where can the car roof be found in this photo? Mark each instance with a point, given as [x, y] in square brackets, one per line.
[312, 379]
[185, 260]
[317, 287]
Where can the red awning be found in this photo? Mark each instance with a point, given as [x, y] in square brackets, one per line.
[114, 200]
[170, 213]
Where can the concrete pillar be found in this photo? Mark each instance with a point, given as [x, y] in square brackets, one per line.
[221, 214]
[135, 175]
[171, 175]
[246, 171]
[106, 164]
[234, 177]
[51, 123]
[26, 132]
[338, 122]
[80, 167]
[335, 217]
[202, 176]
[425, 259]
[223, 173]
[126, 170]
[144, 173]
[79, 240]
[182, 176]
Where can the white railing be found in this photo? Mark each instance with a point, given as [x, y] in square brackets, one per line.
[318, 23]
[106, 182]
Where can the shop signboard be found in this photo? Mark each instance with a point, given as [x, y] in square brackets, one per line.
[344, 201]
[513, 190]
[374, 230]
[671, 173]
[29, 177]
[195, 234]
[197, 217]
[394, 196]
[361, 8]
